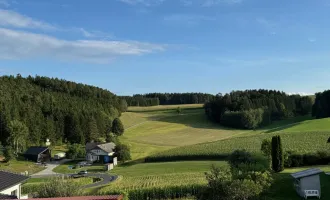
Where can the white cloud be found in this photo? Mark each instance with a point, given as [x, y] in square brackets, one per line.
[4, 3]
[20, 44]
[311, 39]
[14, 19]
[94, 34]
[188, 19]
[300, 93]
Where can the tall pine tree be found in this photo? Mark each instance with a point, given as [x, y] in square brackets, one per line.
[277, 154]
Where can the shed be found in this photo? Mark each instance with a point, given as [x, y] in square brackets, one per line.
[307, 182]
[38, 154]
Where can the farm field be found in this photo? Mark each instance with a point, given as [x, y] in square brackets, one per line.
[163, 107]
[159, 131]
[146, 175]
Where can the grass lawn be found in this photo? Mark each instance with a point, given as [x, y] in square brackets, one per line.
[64, 168]
[282, 189]
[163, 107]
[21, 166]
[146, 175]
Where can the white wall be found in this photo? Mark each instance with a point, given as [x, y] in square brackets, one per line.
[9, 190]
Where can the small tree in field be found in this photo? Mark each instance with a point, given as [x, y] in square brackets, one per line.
[123, 152]
[8, 153]
[179, 110]
[277, 154]
[117, 127]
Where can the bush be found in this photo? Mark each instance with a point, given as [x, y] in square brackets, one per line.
[117, 127]
[9, 154]
[123, 152]
[298, 160]
[76, 151]
[58, 187]
[240, 157]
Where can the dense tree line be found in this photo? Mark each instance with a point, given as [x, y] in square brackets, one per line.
[35, 108]
[253, 108]
[139, 100]
[180, 98]
[321, 107]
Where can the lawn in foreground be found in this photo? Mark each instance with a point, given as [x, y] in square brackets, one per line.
[148, 175]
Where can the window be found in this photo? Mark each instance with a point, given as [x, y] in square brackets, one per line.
[14, 193]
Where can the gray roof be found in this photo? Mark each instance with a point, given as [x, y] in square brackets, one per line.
[4, 196]
[9, 179]
[107, 147]
[305, 173]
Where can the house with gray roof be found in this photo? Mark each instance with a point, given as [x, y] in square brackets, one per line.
[307, 183]
[10, 185]
[100, 152]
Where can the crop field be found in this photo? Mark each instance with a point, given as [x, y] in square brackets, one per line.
[147, 175]
[299, 142]
[163, 107]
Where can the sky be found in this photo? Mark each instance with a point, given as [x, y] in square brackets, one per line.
[141, 46]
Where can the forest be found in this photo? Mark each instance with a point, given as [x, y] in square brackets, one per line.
[254, 108]
[155, 99]
[33, 109]
[321, 108]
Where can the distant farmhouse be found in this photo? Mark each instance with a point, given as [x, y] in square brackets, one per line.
[103, 153]
[10, 185]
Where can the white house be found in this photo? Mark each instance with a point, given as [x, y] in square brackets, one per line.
[10, 185]
[100, 152]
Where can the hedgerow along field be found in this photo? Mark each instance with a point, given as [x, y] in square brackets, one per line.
[303, 137]
[163, 107]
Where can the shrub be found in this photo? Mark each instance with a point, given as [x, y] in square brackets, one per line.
[117, 127]
[297, 160]
[76, 151]
[9, 154]
[277, 154]
[58, 187]
[240, 157]
[123, 152]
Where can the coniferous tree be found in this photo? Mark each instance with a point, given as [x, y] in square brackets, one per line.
[277, 154]
[117, 127]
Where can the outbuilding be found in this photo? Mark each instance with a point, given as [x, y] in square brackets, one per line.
[307, 183]
[38, 154]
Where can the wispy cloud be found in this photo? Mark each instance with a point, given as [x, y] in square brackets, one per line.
[20, 44]
[311, 39]
[14, 19]
[11, 19]
[143, 2]
[4, 3]
[257, 61]
[187, 19]
[300, 93]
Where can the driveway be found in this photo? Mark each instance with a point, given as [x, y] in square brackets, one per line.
[49, 169]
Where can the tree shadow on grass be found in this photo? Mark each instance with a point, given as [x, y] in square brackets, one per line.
[281, 128]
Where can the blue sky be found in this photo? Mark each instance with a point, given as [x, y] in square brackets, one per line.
[140, 46]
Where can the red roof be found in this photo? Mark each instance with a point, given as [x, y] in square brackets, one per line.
[109, 197]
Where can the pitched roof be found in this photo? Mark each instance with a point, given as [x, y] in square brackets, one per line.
[305, 173]
[109, 197]
[9, 179]
[35, 150]
[4, 196]
[107, 147]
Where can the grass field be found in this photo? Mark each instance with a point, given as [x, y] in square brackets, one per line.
[146, 175]
[20, 166]
[64, 168]
[163, 107]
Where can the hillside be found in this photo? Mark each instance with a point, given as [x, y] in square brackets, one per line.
[62, 111]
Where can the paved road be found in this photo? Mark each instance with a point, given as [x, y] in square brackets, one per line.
[49, 168]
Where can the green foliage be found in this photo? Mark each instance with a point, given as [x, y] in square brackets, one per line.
[18, 135]
[76, 151]
[223, 186]
[59, 187]
[123, 152]
[179, 110]
[240, 157]
[292, 159]
[49, 106]
[321, 106]
[253, 108]
[277, 154]
[266, 147]
[123, 105]
[93, 132]
[117, 127]
[9, 154]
